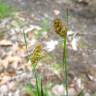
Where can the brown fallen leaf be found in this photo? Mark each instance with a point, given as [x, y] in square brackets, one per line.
[4, 78]
[11, 60]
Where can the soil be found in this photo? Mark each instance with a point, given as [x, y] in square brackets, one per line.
[81, 19]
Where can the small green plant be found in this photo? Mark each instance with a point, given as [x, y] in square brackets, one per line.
[42, 91]
[61, 30]
[5, 10]
[38, 90]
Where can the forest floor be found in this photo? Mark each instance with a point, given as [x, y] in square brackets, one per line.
[35, 18]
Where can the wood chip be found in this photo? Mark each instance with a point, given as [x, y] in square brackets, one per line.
[5, 43]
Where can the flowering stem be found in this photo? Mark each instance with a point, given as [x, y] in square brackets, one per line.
[65, 66]
[36, 77]
[26, 44]
[34, 70]
[25, 39]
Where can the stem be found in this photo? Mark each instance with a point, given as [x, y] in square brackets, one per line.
[65, 66]
[34, 71]
[67, 16]
[25, 40]
[37, 88]
[42, 93]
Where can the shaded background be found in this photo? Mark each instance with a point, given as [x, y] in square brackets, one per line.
[81, 19]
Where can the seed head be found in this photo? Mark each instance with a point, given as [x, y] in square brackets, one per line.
[60, 28]
[37, 54]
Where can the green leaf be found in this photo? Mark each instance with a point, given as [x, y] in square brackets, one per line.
[29, 90]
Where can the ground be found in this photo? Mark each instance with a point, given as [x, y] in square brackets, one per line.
[29, 16]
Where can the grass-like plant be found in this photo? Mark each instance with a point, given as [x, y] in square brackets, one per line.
[61, 30]
[5, 10]
[38, 90]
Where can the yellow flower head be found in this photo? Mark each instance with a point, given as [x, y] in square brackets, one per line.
[37, 54]
[60, 28]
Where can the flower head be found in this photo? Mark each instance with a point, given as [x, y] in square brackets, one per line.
[37, 54]
[60, 28]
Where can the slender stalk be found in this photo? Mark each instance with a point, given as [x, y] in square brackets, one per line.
[65, 66]
[67, 17]
[42, 93]
[26, 45]
[25, 40]
[65, 61]
[37, 88]
[34, 70]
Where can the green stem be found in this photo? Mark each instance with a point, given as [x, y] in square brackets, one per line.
[34, 70]
[65, 66]
[37, 88]
[25, 40]
[42, 93]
